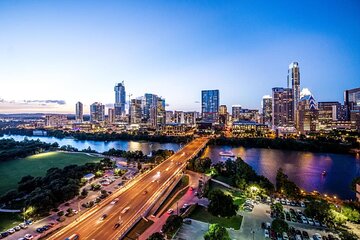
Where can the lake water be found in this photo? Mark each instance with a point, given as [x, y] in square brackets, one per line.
[102, 146]
[304, 168]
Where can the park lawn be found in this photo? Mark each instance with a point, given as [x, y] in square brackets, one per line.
[238, 197]
[201, 214]
[9, 220]
[12, 171]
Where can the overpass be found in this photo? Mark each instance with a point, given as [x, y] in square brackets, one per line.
[135, 199]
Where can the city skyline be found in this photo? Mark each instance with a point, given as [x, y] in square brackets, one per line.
[80, 55]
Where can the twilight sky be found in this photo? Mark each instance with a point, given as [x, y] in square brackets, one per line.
[53, 54]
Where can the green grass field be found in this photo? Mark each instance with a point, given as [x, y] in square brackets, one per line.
[36, 165]
[200, 213]
[238, 197]
[9, 220]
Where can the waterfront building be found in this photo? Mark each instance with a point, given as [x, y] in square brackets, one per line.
[111, 115]
[210, 105]
[79, 112]
[55, 120]
[352, 105]
[282, 107]
[235, 112]
[328, 113]
[223, 114]
[190, 118]
[170, 117]
[136, 111]
[245, 128]
[179, 117]
[97, 112]
[120, 100]
[266, 115]
[307, 114]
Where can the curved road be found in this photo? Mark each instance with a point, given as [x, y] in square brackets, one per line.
[138, 196]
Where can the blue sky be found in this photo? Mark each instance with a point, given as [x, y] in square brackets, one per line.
[73, 51]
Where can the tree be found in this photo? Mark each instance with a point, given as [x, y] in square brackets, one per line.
[156, 236]
[221, 204]
[277, 207]
[217, 232]
[351, 214]
[281, 177]
[284, 185]
[279, 225]
[173, 223]
[319, 209]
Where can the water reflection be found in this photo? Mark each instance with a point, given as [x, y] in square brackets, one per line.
[304, 168]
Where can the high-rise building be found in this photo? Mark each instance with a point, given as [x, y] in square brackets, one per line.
[293, 78]
[55, 120]
[79, 112]
[266, 110]
[120, 100]
[282, 107]
[111, 115]
[179, 117]
[328, 113]
[190, 118]
[97, 112]
[235, 112]
[136, 111]
[307, 114]
[352, 105]
[223, 114]
[169, 117]
[210, 105]
[160, 112]
[150, 108]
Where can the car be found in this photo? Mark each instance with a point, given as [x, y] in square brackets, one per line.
[187, 221]
[23, 225]
[317, 236]
[5, 234]
[28, 236]
[266, 233]
[316, 222]
[298, 237]
[185, 205]
[114, 201]
[285, 236]
[17, 228]
[125, 210]
[11, 230]
[103, 217]
[116, 225]
[39, 230]
[302, 204]
[304, 220]
[298, 232]
[311, 221]
[145, 192]
[73, 237]
[287, 202]
[170, 211]
[29, 222]
[75, 211]
[305, 234]
[191, 188]
[278, 236]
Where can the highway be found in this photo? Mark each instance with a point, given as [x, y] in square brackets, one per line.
[138, 196]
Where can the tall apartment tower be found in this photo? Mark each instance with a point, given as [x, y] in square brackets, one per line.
[120, 100]
[97, 112]
[282, 107]
[293, 78]
[210, 105]
[267, 110]
[135, 111]
[79, 112]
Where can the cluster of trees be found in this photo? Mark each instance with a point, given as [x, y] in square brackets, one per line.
[221, 204]
[242, 174]
[285, 186]
[172, 224]
[10, 149]
[155, 157]
[56, 187]
[319, 144]
[217, 232]
[199, 164]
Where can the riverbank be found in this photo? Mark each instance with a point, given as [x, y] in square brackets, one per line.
[306, 145]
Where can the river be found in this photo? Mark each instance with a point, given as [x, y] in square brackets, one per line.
[304, 168]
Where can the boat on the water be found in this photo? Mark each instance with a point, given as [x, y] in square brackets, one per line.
[324, 173]
[227, 154]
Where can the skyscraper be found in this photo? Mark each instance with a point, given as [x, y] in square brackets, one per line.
[111, 115]
[352, 105]
[150, 109]
[135, 111]
[267, 110]
[307, 114]
[293, 78]
[160, 112]
[120, 100]
[210, 105]
[223, 114]
[282, 107]
[235, 112]
[97, 112]
[79, 112]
